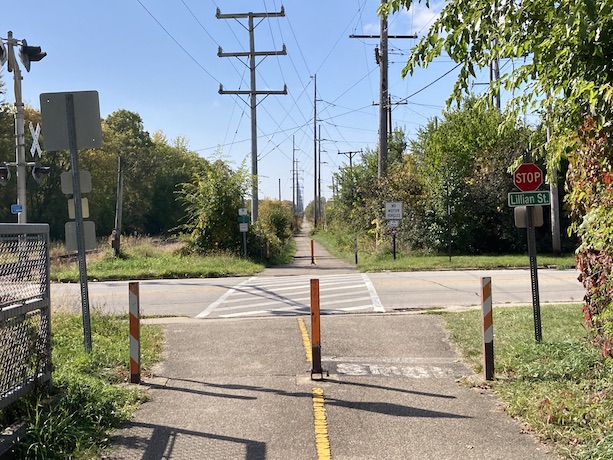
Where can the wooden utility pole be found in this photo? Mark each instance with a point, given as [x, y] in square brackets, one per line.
[383, 97]
[315, 152]
[252, 92]
[382, 60]
[293, 175]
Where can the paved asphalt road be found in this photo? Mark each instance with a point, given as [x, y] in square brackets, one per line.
[349, 292]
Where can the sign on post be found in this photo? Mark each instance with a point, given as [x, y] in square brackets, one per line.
[393, 210]
[88, 131]
[528, 177]
[540, 198]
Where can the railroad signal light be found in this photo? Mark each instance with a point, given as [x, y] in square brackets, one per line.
[29, 54]
[40, 172]
[5, 174]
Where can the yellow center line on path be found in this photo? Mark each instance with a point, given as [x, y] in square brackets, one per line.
[322, 441]
[320, 420]
[306, 341]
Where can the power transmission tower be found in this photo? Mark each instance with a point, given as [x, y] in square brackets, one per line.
[252, 92]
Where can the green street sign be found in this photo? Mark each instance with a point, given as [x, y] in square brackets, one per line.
[529, 198]
[242, 219]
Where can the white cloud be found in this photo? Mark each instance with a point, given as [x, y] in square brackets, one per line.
[419, 18]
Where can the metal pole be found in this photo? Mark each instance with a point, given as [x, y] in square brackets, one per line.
[536, 306]
[534, 281]
[76, 190]
[20, 144]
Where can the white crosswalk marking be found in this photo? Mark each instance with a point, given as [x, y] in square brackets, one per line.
[290, 295]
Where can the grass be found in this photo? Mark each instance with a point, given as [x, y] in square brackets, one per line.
[373, 261]
[562, 387]
[145, 259]
[89, 397]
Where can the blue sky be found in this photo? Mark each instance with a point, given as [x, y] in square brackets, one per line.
[159, 59]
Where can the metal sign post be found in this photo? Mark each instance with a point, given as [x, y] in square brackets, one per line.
[78, 208]
[534, 280]
[60, 132]
[528, 177]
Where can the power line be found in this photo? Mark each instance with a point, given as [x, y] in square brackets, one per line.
[177, 42]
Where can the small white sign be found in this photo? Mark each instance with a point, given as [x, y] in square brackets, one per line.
[393, 210]
[393, 223]
[242, 211]
[243, 227]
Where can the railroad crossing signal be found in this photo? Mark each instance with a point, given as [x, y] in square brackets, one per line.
[29, 54]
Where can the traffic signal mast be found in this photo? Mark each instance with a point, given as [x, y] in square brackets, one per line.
[27, 54]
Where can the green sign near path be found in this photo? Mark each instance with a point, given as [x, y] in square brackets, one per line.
[242, 219]
[529, 198]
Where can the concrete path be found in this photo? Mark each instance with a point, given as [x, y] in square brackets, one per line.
[242, 389]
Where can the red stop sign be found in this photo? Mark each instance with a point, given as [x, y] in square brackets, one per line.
[528, 177]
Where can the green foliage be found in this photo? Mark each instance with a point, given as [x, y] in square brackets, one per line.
[212, 200]
[153, 261]
[453, 183]
[466, 161]
[273, 230]
[562, 387]
[87, 403]
[152, 170]
[590, 200]
[562, 53]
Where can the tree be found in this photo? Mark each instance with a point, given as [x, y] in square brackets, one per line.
[465, 159]
[567, 77]
[212, 199]
[563, 49]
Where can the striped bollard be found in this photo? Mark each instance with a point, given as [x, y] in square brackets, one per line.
[488, 328]
[134, 305]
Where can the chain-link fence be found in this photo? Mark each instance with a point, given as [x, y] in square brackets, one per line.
[25, 310]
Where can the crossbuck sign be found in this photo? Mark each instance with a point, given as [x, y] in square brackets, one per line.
[35, 145]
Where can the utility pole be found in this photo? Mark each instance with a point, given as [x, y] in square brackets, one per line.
[319, 203]
[350, 156]
[382, 59]
[315, 152]
[252, 92]
[555, 202]
[118, 207]
[383, 97]
[494, 76]
[294, 200]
